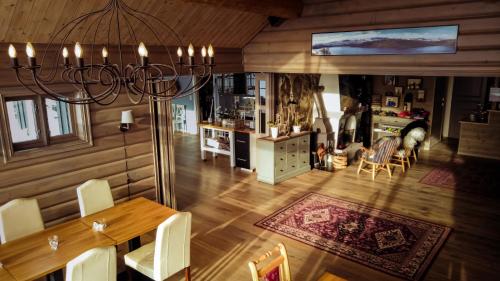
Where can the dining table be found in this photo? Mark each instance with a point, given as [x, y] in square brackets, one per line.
[31, 257]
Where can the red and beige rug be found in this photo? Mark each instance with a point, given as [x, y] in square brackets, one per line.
[398, 245]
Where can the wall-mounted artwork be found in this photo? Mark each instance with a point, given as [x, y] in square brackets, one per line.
[396, 41]
[391, 101]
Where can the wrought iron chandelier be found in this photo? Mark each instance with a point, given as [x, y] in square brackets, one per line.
[102, 82]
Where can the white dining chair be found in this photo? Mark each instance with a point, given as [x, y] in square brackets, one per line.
[98, 264]
[169, 253]
[19, 218]
[94, 196]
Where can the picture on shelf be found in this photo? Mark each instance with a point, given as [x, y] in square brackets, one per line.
[414, 83]
[391, 101]
[421, 96]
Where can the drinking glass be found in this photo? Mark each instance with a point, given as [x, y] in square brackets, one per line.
[54, 242]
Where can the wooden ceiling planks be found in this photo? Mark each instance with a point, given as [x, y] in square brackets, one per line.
[36, 21]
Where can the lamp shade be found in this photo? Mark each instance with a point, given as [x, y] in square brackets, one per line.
[127, 117]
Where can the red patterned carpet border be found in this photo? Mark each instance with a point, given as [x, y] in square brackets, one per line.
[392, 243]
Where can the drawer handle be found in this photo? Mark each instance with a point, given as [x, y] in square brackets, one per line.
[281, 159]
[304, 162]
[293, 155]
[303, 151]
[240, 141]
[281, 170]
[245, 160]
[293, 166]
[293, 144]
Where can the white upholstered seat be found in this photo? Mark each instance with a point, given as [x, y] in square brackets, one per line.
[94, 196]
[169, 254]
[19, 218]
[98, 264]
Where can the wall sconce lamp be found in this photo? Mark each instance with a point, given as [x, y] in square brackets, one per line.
[127, 120]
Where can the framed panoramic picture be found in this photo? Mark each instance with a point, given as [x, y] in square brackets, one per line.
[395, 41]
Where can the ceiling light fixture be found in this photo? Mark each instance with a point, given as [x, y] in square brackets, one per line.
[102, 83]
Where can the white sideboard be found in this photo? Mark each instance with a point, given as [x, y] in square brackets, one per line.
[282, 158]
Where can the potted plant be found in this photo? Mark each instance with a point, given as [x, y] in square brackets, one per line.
[274, 129]
[296, 126]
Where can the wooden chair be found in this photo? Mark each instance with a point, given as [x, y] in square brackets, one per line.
[94, 196]
[401, 158]
[98, 264]
[19, 218]
[379, 156]
[169, 254]
[279, 264]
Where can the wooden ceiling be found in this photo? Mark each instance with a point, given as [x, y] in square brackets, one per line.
[199, 22]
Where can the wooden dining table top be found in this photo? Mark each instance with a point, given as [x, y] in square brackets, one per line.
[31, 257]
[130, 219]
[5, 275]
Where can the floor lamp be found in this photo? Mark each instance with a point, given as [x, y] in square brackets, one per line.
[125, 125]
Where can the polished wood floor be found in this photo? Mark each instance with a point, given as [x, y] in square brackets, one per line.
[227, 202]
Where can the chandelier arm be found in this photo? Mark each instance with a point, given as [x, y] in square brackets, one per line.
[196, 86]
[98, 20]
[87, 91]
[191, 86]
[132, 35]
[148, 25]
[71, 25]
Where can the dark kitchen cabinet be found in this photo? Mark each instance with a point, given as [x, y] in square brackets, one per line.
[242, 150]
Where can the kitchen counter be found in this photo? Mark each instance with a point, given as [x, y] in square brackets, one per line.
[229, 129]
[284, 138]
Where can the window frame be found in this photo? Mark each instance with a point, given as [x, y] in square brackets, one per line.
[45, 145]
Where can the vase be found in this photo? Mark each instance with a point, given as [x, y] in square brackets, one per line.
[274, 132]
[296, 129]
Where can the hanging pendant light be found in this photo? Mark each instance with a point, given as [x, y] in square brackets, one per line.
[102, 83]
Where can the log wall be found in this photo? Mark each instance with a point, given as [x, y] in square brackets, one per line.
[53, 179]
[287, 48]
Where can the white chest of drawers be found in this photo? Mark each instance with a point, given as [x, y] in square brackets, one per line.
[282, 158]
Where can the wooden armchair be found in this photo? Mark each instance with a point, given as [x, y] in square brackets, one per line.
[379, 156]
[274, 270]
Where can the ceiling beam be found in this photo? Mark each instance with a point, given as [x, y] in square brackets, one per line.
[283, 9]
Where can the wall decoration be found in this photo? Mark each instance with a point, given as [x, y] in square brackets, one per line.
[302, 86]
[391, 101]
[414, 83]
[420, 95]
[395, 41]
[390, 80]
[398, 91]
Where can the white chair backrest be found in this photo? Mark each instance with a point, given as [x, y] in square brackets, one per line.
[19, 218]
[94, 196]
[98, 264]
[172, 246]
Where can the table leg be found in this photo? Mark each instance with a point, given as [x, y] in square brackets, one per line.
[56, 276]
[134, 243]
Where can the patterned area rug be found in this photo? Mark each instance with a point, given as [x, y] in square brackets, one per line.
[398, 245]
[470, 177]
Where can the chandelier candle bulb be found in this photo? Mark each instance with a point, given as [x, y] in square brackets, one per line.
[30, 52]
[13, 56]
[191, 54]
[105, 55]
[179, 54]
[143, 53]
[65, 55]
[211, 60]
[204, 54]
[79, 55]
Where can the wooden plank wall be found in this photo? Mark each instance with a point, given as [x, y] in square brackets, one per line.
[53, 179]
[287, 48]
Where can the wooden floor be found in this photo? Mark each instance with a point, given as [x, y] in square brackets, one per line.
[227, 202]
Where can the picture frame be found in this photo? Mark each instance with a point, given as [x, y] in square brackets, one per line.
[441, 39]
[414, 83]
[392, 101]
[389, 80]
[398, 91]
[420, 95]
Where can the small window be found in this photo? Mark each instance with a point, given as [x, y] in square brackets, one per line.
[34, 125]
